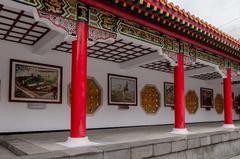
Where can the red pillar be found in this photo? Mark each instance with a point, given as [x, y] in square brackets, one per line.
[179, 93]
[228, 98]
[79, 82]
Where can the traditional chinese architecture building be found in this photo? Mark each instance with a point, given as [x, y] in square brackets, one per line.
[167, 59]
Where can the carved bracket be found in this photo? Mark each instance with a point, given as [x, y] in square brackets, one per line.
[68, 27]
[172, 57]
[55, 22]
[96, 34]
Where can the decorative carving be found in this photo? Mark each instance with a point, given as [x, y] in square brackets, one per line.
[82, 12]
[150, 99]
[191, 102]
[93, 96]
[54, 6]
[67, 25]
[109, 21]
[219, 103]
[168, 43]
[63, 8]
[140, 34]
[96, 34]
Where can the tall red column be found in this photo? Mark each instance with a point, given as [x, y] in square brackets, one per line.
[79, 82]
[228, 99]
[179, 93]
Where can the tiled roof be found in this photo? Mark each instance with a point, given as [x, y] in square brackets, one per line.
[199, 23]
[172, 16]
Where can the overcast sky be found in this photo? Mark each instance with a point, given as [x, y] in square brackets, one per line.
[224, 14]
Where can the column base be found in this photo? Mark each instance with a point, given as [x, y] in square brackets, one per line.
[77, 142]
[228, 126]
[180, 131]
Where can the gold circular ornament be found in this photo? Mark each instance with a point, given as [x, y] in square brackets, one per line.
[93, 95]
[191, 100]
[219, 104]
[150, 99]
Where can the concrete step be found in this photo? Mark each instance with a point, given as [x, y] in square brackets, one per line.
[6, 154]
[236, 157]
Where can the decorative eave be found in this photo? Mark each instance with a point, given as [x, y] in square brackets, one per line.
[174, 18]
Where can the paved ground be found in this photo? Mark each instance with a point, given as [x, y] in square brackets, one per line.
[5, 154]
[47, 142]
[237, 157]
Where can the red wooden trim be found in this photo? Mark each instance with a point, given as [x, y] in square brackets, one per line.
[124, 14]
[228, 98]
[79, 82]
[179, 93]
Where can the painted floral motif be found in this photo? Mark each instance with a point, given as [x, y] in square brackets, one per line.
[140, 34]
[54, 6]
[96, 34]
[68, 25]
[109, 22]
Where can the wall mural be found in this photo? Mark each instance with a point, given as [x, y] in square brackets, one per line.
[219, 103]
[169, 94]
[122, 90]
[191, 100]
[34, 82]
[206, 98]
[150, 99]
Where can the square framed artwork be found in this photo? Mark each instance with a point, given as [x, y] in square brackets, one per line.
[35, 82]
[169, 94]
[122, 90]
[206, 95]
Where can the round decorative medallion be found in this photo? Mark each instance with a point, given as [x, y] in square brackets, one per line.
[219, 103]
[150, 99]
[93, 96]
[191, 102]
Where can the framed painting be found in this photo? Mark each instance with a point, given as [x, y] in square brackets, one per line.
[122, 90]
[206, 98]
[169, 94]
[35, 82]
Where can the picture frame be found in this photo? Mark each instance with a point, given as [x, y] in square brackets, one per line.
[169, 94]
[122, 90]
[207, 98]
[35, 82]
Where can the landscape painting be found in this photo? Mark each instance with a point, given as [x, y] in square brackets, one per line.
[34, 82]
[168, 94]
[206, 97]
[122, 90]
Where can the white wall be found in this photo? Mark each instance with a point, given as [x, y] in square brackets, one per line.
[17, 116]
